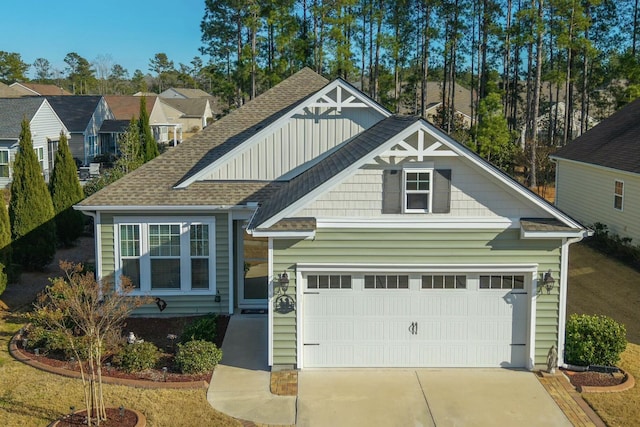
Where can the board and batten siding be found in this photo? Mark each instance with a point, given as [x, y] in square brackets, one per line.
[433, 247]
[472, 195]
[300, 140]
[179, 304]
[586, 192]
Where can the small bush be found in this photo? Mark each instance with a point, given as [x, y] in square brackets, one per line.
[200, 329]
[594, 340]
[197, 356]
[137, 357]
[49, 341]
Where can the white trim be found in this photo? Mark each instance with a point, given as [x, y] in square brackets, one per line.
[418, 268]
[299, 320]
[310, 102]
[231, 251]
[160, 208]
[550, 234]
[531, 328]
[270, 301]
[405, 192]
[564, 282]
[615, 183]
[413, 222]
[284, 234]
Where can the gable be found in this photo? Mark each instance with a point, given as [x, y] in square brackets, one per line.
[422, 154]
[304, 134]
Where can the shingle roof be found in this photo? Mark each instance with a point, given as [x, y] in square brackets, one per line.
[614, 143]
[153, 183]
[192, 107]
[124, 106]
[75, 111]
[191, 93]
[336, 162]
[8, 92]
[543, 224]
[114, 126]
[13, 110]
[45, 89]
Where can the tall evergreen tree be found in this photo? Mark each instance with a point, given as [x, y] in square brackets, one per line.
[149, 144]
[30, 209]
[66, 191]
[5, 245]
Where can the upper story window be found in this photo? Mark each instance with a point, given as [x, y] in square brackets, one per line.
[618, 196]
[4, 163]
[418, 190]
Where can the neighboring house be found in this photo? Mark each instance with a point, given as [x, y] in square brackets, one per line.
[83, 116]
[8, 92]
[193, 114]
[127, 107]
[214, 108]
[45, 126]
[184, 93]
[38, 89]
[598, 174]
[462, 103]
[374, 240]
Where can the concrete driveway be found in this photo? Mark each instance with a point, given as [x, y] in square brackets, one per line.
[424, 397]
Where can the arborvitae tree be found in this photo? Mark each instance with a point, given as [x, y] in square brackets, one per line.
[5, 245]
[30, 209]
[65, 192]
[149, 144]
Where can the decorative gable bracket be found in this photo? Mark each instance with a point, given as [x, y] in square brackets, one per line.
[339, 98]
[419, 149]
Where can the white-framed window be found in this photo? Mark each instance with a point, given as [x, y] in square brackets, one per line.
[418, 190]
[4, 163]
[618, 195]
[164, 256]
[439, 281]
[40, 155]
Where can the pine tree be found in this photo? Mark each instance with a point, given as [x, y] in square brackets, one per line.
[149, 144]
[31, 210]
[5, 245]
[65, 192]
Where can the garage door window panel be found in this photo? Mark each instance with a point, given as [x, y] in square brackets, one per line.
[444, 282]
[514, 282]
[391, 281]
[325, 281]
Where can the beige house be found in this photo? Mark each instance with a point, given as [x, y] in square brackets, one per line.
[38, 89]
[598, 174]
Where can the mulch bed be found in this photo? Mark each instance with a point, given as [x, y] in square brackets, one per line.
[154, 330]
[597, 379]
[129, 419]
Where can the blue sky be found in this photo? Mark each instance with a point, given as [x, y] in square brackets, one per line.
[131, 32]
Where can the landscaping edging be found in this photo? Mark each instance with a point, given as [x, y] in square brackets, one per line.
[20, 356]
[627, 384]
[141, 419]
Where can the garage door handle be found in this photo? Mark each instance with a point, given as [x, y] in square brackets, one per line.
[416, 329]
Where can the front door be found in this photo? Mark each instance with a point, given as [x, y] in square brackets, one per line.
[253, 269]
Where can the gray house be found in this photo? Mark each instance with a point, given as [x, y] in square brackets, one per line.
[598, 174]
[371, 240]
[45, 127]
[83, 116]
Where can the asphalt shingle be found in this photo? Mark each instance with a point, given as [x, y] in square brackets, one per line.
[13, 110]
[75, 111]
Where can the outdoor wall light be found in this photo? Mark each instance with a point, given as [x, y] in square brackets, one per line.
[283, 281]
[548, 282]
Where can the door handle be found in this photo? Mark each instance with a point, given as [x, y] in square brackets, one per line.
[416, 329]
[413, 328]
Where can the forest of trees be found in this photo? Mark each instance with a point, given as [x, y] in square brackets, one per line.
[556, 66]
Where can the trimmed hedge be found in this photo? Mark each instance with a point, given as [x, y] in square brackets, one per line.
[137, 357]
[197, 356]
[200, 329]
[594, 340]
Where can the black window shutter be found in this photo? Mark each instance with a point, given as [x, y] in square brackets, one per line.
[441, 191]
[392, 192]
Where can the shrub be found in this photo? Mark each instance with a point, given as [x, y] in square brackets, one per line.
[594, 340]
[197, 356]
[200, 329]
[621, 248]
[50, 341]
[137, 357]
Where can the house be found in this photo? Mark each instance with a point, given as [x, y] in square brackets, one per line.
[373, 240]
[38, 89]
[462, 103]
[8, 92]
[127, 107]
[598, 174]
[82, 115]
[184, 93]
[193, 114]
[45, 126]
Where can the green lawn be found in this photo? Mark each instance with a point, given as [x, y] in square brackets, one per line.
[601, 285]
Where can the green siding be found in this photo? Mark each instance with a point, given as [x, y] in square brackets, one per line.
[386, 246]
[178, 304]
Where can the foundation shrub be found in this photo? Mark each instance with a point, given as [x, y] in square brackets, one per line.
[197, 356]
[594, 340]
[137, 357]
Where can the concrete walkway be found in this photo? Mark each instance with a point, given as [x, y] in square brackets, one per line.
[240, 383]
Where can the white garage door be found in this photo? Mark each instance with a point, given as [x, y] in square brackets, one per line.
[415, 320]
